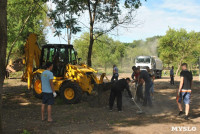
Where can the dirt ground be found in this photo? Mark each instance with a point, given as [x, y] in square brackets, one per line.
[21, 111]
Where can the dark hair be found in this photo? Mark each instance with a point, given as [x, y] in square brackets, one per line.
[133, 67]
[184, 64]
[48, 64]
[128, 79]
[137, 68]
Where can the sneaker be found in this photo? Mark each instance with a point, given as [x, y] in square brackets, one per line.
[110, 110]
[180, 113]
[186, 117]
[120, 111]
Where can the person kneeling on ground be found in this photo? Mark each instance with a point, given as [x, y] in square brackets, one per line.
[48, 92]
[116, 91]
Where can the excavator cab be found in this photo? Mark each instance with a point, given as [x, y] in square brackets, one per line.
[60, 55]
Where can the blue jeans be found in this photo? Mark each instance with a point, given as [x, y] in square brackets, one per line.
[147, 97]
[114, 77]
[152, 88]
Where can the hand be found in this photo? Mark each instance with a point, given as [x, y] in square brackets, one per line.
[54, 94]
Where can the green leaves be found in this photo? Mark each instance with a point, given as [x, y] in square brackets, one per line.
[179, 46]
[18, 10]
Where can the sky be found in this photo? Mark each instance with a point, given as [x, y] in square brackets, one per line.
[153, 18]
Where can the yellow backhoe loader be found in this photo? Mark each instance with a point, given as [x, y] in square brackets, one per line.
[71, 79]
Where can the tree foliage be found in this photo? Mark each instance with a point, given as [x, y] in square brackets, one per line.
[104, 16]
[107, 52]
[179, 46]
[18, 11]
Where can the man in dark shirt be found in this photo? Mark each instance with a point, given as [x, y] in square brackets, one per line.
[139, 86]
[116, 91]
[144, 77]
[184, 91]
[172, 76]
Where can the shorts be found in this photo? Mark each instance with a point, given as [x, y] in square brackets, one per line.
[185, 96]
[47, 98]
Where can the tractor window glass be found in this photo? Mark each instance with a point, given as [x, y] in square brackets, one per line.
[44, 59]
[73, 55]
[62, 55]
[51, 54]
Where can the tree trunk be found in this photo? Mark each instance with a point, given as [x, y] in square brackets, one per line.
[89, 59]
[3, 45]
[179, 66]
[92, 15]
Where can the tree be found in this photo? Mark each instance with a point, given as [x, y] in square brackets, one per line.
[106, 51]
[178, 46]
[64, 17]
[104, 16]
[24, 17]
[3, 45]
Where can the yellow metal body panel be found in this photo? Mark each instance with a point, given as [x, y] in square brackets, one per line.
[83, 75]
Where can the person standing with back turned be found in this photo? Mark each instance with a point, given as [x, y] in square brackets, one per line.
[172, 76]
[48, 91]
[184, 90]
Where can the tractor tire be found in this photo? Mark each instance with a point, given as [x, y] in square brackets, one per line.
[71, 92]
[37, 89]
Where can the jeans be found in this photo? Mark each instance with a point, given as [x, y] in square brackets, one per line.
[114, 77]
[152, 88]
[147, 97]
[139, 92]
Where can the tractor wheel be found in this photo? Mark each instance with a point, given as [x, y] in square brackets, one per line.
[37, 87]
[71, 92]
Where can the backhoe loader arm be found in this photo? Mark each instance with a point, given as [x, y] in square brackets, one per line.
[32, 55]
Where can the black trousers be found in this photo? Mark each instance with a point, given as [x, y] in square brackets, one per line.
[172, 80]
[139, 93]
[115, 94]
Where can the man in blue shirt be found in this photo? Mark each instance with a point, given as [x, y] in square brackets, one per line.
[115, 73]
[48, 91]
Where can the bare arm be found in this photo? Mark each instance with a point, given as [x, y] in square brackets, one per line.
[52, 86]
[181, 85]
